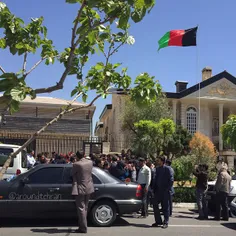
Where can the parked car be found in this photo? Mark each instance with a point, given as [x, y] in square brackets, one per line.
[211, 193]
[19, 163]
[45, 192]
[233, 208]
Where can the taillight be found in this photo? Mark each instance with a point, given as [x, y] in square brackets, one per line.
[139, 191]
[18, 172]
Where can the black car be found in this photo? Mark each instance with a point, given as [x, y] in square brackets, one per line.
[45, 192]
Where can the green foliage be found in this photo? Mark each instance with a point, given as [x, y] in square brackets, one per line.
[153, 137]
[228, 131]
[185, 194]
[101, 26]
[183, 168]
[179, 143]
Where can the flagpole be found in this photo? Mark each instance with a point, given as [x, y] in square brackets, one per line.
[199, 86]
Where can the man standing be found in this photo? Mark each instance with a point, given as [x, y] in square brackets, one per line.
[82, 188]
[30, 159]
[222, 190]
[168, 163]
[144, 179]
[201, 172]
[162, 188]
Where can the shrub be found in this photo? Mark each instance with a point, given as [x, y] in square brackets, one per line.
[184, 194]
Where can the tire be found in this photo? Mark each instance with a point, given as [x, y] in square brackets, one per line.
[103, 213]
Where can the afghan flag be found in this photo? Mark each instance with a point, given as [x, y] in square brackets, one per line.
[181, 38]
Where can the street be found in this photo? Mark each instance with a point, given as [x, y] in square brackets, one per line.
[182, 223]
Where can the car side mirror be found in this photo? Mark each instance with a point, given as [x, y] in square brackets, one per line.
[24, 181]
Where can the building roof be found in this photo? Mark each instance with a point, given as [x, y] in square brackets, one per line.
[202, 84]
[107, 107]
[51, 100]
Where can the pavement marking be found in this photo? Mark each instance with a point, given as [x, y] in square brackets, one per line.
[197, 226]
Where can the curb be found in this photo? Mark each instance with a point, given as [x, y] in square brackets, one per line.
[185, 205]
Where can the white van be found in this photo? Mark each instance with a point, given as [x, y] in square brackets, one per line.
[19, 163]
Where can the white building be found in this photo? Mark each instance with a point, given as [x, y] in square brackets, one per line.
[203, 110]
[206, 106]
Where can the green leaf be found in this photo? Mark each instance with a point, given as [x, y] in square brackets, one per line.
[17, 94]
[138, 14]
[8, 75]
[2, 43]
[14, 106]
[72, 1]
[99, 66]
[84, 97]
[124, 19]
[117, 65]
[74, 91]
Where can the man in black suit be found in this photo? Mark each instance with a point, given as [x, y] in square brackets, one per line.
[162, 186]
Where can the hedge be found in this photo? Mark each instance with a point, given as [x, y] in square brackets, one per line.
[184, 194]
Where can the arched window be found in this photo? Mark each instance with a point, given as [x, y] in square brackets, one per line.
[192, 120]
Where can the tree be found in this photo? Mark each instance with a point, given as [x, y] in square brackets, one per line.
[99, 26]
[203, 148]
[228, 131]
[183, 168]
[205, 152]
[153, 137]
[179, 143]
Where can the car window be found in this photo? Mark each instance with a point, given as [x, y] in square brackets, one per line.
[234, 177]
[46, 176]
[67, 178]
[4, 154]
[24, 159]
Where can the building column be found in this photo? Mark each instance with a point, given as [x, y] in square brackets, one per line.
[174, 103]
[183, 115]
[221, 117]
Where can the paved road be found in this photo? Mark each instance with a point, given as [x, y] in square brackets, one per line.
[183, 223]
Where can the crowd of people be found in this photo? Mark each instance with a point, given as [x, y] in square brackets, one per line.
[155, 178]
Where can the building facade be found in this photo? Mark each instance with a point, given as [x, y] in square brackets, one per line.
[70, 133]
[203, 107]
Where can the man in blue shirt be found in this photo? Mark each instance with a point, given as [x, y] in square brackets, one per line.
[162, 186]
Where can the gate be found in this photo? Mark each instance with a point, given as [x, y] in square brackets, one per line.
[92, 145]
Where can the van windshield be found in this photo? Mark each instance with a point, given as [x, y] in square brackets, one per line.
[4, 153]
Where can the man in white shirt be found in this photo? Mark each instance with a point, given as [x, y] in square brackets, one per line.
[144, 179]
[30, 160]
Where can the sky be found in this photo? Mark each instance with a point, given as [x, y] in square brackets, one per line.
[216, 39]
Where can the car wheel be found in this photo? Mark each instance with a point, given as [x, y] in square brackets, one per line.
[103, 213]
[232, 213]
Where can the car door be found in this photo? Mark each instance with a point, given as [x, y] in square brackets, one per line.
[39, 194]
[67, 201]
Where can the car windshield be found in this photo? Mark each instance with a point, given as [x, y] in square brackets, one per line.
[4, 153]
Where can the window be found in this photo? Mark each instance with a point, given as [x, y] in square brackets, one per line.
[4, 154]
[46, 176]
[215, 127]
[67, 179]
[192, 120]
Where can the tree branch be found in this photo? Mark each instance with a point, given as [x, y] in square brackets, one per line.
[35, 65]
[59, 85]
[24, 63]
[3, 71]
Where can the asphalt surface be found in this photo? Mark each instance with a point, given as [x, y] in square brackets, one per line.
[182, 223]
